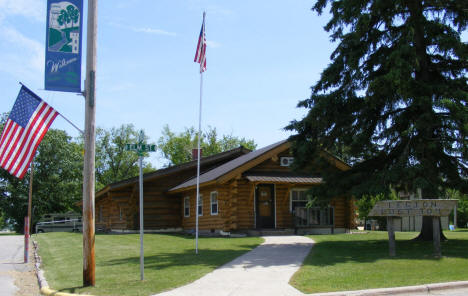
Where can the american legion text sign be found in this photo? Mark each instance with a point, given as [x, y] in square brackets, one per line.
[417, 207]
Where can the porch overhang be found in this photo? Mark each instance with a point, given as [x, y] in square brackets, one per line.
[284, 179]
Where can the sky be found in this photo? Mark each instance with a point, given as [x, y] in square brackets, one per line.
[262, 58]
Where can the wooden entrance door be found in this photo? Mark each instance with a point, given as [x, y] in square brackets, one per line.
[265, 206]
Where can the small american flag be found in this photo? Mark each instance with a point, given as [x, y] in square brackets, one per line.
[200, 55]
[27, 124]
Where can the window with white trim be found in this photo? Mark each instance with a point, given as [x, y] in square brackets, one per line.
[214, 202]
[311, 216]
[298, 199]
[187, 206]
[200, 205]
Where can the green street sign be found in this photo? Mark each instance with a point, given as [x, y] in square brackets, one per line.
[131, 147]
[140, 147]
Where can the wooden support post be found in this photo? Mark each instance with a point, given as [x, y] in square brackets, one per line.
[31, 173]
[455, 216]
[391, 237]
[89, 146]
[436, 236]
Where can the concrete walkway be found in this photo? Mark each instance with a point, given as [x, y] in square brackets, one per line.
[11, 260]
[265, 270]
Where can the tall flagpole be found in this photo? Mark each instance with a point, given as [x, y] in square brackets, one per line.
[198, 161]
[201, 52]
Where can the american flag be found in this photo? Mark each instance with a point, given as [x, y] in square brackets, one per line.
[200, 55]
[27, 124]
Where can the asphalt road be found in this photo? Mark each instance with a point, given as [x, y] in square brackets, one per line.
[11, 260]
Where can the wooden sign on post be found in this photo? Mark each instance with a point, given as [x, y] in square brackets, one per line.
[417, 207]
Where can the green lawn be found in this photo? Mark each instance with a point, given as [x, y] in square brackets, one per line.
[360, 261]
[10, 233]
[170, 261]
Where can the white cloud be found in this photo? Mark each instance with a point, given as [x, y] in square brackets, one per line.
[146, 30]
[212, 44]
[153, 31]
[34, 9]
[24, 57]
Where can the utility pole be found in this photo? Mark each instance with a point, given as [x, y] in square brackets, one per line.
[89, 146]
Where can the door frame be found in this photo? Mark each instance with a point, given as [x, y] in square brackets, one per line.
[273, 192]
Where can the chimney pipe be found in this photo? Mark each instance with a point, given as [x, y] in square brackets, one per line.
[195, 153]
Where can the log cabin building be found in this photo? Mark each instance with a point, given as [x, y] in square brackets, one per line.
[240, 190]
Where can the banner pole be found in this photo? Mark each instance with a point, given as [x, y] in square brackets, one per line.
[89, 264]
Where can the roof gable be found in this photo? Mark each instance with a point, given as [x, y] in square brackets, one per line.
[237, 166]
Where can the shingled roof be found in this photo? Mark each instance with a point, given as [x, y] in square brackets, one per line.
[240, 164]
[175, 169]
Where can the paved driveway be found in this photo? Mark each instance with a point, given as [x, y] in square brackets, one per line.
[11, 260]
[265, 270]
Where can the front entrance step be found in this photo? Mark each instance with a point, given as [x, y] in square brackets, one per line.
[270, 232]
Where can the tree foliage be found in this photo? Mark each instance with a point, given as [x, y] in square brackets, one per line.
[57, 181]
[177, 148]
[462, 207]
[395, 95]
[113, 163]
[58, 173]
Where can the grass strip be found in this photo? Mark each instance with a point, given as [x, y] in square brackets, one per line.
[170, 261]
[361, 261]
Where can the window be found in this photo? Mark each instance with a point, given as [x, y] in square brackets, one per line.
[298, 199]
[187, 206]
[100, 213]
[214, 202]
[200, 205]
[120, 213]
[304, 216]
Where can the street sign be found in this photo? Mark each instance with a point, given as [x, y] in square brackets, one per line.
[140, 148]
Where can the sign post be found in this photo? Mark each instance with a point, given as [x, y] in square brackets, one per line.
[141, 148]
[418, 207]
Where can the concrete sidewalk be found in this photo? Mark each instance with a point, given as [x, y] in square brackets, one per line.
[265, 270]
[11, 261]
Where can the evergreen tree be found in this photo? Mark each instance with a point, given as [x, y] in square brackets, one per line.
[394, 98]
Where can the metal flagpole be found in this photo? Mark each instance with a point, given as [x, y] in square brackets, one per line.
[198, 161]
[140, 161]
[200, 58]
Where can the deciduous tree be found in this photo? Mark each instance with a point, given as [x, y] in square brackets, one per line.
[113, 163]
[57, 181]
[177, 148]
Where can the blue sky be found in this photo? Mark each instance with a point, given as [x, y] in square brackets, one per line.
[262, 58]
